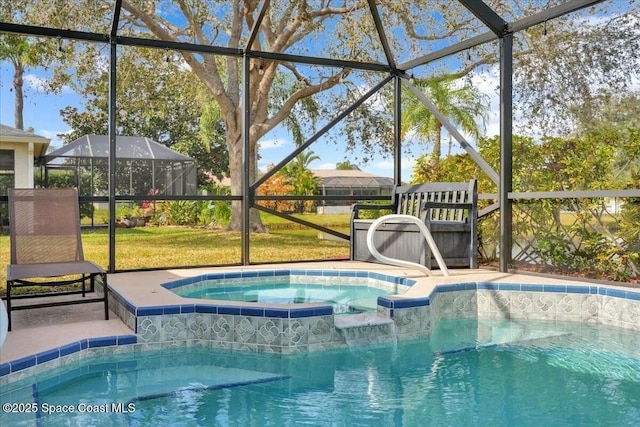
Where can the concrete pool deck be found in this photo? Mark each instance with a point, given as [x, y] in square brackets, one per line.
[39, 330]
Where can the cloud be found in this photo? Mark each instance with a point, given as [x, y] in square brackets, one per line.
[56, 142]
[37, 83]
[405, 162]
[326, 166]
[40, 84]
[267, 144]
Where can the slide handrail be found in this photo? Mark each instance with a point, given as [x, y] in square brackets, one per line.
[402, 263]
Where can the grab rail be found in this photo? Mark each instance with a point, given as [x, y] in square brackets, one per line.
[401, 263]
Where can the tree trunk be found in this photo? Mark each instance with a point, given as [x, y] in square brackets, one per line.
[235, 145]
[18, 84]
[437, 147]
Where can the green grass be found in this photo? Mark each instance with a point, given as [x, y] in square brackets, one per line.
[159, 247]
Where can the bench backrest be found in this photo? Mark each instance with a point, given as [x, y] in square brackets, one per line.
[409, 199]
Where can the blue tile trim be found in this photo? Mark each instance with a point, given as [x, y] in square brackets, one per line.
[171, 309]
[65, 350]
[46, 356]
[282, 313]
[281, 273]
[385, 302]
[321, 310]
[149, 311]
[408, 303]
[509, 287]
[488, 286]
[206, 308]
[189, 308]
[633, 296]
[616, 293]
[451, 287]
[227, 309]
[525, 287]
[347, 274]
[23, 363]
[102, 342]
[252, 311]
[127, 339]
[554, 288]
[578, 289]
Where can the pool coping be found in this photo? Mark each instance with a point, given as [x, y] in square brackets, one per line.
[432, 286]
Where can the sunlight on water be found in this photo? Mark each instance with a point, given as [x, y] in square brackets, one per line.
[470, 372]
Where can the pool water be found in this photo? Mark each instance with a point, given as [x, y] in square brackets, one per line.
[470, 372]
[343, 298]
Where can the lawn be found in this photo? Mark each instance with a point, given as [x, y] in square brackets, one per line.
[158, 247]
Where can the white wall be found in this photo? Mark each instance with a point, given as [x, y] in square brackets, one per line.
[23, 163]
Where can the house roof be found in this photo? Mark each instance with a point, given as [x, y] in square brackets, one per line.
[127, 147]
[351, 178]
[11, 134]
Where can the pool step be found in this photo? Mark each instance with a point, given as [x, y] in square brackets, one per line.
[361, 320]
[366, 328]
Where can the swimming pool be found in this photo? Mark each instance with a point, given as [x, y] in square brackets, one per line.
[469, 372]
[344, 298]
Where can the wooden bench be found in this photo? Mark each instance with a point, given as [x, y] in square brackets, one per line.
[448, 209]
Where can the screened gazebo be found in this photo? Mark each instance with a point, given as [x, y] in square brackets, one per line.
[350, 183]
[143, 167]
[371, 51]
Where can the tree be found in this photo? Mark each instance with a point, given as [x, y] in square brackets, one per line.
[277, 185]
[158, 100]
[461, 104]
[22, 53]
[347, 165]
[299, 176]
[585, 241]
[346, 30]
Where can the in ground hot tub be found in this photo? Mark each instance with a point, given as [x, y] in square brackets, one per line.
[346, 292]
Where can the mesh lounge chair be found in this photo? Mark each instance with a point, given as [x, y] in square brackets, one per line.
[46, 243]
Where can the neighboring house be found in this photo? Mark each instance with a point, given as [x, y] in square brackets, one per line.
[18, 151]
[349, 182]
[343, 183]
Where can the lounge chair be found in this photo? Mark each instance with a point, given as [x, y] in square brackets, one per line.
[46, 243]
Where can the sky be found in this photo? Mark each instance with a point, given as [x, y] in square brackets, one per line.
[42, 112]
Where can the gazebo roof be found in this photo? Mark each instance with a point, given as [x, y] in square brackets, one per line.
[127, 147]
[351, 178]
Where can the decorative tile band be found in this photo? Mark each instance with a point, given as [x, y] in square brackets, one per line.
[399, 302]
[396, 307]
[65, 350]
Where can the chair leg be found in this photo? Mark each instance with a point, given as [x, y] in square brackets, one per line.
[105, 289]
[9, 303]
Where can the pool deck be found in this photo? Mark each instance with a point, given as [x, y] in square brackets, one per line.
[38, 330]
